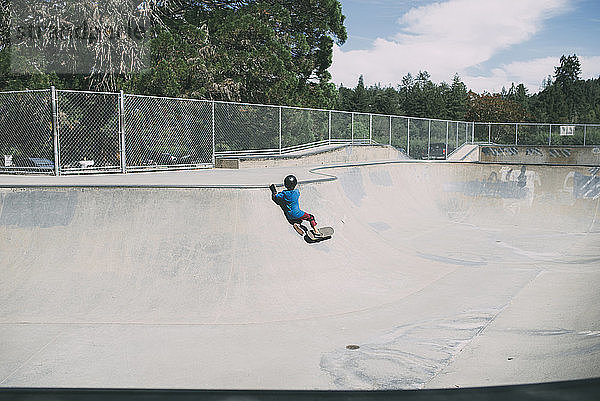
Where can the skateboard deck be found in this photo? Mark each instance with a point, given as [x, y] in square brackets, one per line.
[326, 232]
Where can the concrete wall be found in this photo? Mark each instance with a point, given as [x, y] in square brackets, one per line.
[467, 152]
[312, 157]
[535, 154]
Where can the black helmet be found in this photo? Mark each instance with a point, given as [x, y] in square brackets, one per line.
[290, 182]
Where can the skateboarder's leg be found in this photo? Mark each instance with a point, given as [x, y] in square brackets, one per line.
[311, 219]
[297, 224]
[298, 228]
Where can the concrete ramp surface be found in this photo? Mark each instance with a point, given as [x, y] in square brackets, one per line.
[443, 275]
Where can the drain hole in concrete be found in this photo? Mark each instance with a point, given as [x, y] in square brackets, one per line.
[352, 346]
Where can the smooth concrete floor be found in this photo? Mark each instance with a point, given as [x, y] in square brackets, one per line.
[444, 275]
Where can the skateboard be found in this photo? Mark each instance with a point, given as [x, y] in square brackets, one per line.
[325, 233]
[310, 236]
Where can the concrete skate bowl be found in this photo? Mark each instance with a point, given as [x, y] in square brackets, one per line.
[438, 275]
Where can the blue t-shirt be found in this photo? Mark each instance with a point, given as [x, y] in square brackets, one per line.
[289, 202]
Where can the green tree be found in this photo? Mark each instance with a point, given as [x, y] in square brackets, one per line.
[568, 72]
[344, 99]
[255, 51]
[267, 51]
[494, 108]
[415, 96]
[456, 99]
[567, 98]
[386, 101]
[566, 77]
[360, 100]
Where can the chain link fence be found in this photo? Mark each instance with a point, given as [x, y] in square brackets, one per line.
[26, 139]
[245, 128]
[303, 126]
[341, 126]
[88, 123]
[400, 133]
[72, 132]
[166, 132]
[537, 134]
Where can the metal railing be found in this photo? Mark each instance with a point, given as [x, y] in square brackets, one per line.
[65, 132]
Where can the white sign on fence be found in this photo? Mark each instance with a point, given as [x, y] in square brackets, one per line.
[567, 130]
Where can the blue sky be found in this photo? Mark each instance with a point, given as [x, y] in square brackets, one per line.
[489, 43]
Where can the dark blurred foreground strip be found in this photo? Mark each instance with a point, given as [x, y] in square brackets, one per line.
[588, 389]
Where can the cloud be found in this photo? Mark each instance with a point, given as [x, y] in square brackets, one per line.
[453, 36]
[590, 67]
[530, 73]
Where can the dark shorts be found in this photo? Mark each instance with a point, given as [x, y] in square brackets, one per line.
[308, 217]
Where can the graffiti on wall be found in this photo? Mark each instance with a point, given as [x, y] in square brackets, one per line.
[506, 183]
[560, 152]
[534, 152]
[500, 150]
[584, 186]
[499, 153]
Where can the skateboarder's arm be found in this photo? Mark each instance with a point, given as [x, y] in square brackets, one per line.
[274, 194]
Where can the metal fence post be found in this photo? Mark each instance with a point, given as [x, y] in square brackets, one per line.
[447, 133]
[370, 128]
[213, 134]
[584, 133]
[428, 139]
[408, 137]
[490, 133]
[279, 129]
[473, 132]
[390, 131]
[329, 129]
[457, 128]
[123, 154]
[516, 134]
[550, 136]
[352, 134]
[55, 131]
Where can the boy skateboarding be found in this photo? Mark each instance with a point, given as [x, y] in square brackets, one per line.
[288, 201]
